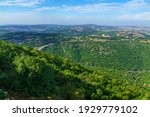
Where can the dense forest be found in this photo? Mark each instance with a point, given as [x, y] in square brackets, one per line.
[107, 53]
[74, 62]
[27, 73]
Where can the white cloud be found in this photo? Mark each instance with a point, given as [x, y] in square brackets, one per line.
[26, 3]
[46, 8]
[82, 9]
[135, 17]
[101, 7]
[35, 18]
[135, 5]
[133, 12]
[16, 17]
[92, 7]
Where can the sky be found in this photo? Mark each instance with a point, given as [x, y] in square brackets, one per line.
[102, 12]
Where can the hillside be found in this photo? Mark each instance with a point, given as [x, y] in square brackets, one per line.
[95, 51]
[38, 35]
[26, 73]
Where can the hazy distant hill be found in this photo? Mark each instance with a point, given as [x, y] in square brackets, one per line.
[20, 33]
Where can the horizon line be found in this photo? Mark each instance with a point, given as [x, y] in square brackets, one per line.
[74, 25]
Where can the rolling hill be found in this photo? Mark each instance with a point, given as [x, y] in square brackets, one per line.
[27, 73]
[92, 61]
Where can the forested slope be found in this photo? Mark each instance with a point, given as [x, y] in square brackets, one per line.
[114, 54]
[33, 74]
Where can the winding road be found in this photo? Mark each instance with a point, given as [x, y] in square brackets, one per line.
[44, 46]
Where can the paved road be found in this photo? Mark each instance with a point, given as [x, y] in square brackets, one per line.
[44, 46]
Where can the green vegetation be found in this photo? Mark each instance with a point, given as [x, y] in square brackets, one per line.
[3, 95]
[32, 39]
[113, 62]
[106, 53]
[40, 75]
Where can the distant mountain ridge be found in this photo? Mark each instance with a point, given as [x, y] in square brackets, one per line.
[44, 27]
[34, 33]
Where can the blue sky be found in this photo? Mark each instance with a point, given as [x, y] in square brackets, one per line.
[102, 12]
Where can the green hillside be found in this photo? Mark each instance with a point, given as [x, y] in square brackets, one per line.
[26, 73]
[121, 54]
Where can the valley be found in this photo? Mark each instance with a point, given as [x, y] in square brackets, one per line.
[93, 61]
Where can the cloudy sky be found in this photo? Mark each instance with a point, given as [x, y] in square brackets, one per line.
[103, 12]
